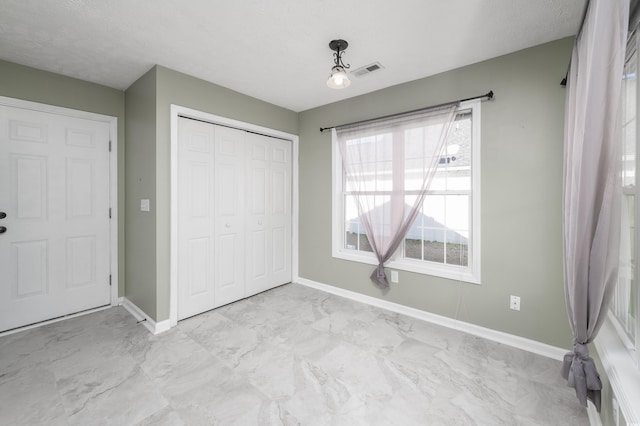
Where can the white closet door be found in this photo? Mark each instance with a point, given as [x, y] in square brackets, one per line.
[229, 215]
[268, 235]
[280, 223]
[54, 189]
[196, 212]
[234, 215]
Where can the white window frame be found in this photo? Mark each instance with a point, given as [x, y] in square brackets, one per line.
[470, 273]
[619, 356]
[633, 347]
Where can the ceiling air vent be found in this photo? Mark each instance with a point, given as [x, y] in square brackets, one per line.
[367, 69]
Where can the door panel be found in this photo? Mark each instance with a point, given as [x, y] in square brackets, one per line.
[281, 212]
[269, 213]
[81, 261]
[235, 194]
[31, 259]
[29, 187]
[229, 227]
[196, 290]
[54, 187]
[199, 260]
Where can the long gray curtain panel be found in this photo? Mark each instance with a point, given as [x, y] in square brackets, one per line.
[592, 190]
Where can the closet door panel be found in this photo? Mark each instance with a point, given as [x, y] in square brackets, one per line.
[258, 186]
[234, 236]
[280, 212]
[196, 290]
[268, 213]
[229, 216]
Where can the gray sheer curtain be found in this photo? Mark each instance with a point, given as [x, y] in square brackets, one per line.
[389, 164]
[591, 199]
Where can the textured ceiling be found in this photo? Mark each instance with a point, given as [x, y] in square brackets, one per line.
[274, 50]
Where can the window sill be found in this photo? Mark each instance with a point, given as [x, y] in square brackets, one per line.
[621, 369]
[420, 267]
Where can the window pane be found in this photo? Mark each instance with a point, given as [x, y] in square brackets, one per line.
[434, 245]
[413, 248]
[434, 227]
[352, 223]
[413, 239]
[350, 209]
[458, 155]
[457, 213]
[443, 227]
[363, 242]
[383, 176]
[414, 173]
[457, 252]
[624, 299]
[629, 122]
[355, 237]
[434, 210]
[623, 305]
[350, 238]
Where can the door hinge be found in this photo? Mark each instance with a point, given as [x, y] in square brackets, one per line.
[109, 146]
[109, 280]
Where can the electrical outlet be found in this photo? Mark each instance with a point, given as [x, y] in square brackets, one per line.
[514, 303]
[394, 276]
[144, 205]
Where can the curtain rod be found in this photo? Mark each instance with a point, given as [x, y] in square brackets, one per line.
[488, 95]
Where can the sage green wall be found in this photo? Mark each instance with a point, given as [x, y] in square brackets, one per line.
[521, 181]
[148, 103]
[140, 163]
[21, 82]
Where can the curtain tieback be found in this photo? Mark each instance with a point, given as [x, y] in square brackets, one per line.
[579, 369]
[379, 278]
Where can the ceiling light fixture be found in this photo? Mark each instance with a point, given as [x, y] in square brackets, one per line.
[338, 78]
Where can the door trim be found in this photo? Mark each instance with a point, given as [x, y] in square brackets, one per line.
[180, 111]
[113, 172]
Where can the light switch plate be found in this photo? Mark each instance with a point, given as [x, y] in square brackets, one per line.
[394, 276]
[144, 205]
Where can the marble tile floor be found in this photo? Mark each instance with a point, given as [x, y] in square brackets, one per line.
[289, 356]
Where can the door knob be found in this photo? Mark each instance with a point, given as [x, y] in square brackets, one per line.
[3, 215]
[3, 229]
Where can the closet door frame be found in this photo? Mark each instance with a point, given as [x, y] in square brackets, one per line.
[181, 111]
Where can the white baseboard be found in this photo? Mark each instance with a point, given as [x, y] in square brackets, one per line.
[487, 333]
[146, 320]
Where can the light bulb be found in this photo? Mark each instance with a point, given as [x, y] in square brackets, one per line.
[338, 78]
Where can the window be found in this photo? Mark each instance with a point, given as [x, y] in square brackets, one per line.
[618, 341]
[444, 240]
[624, 306]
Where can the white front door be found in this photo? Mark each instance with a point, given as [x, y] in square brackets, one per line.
[54, 190]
